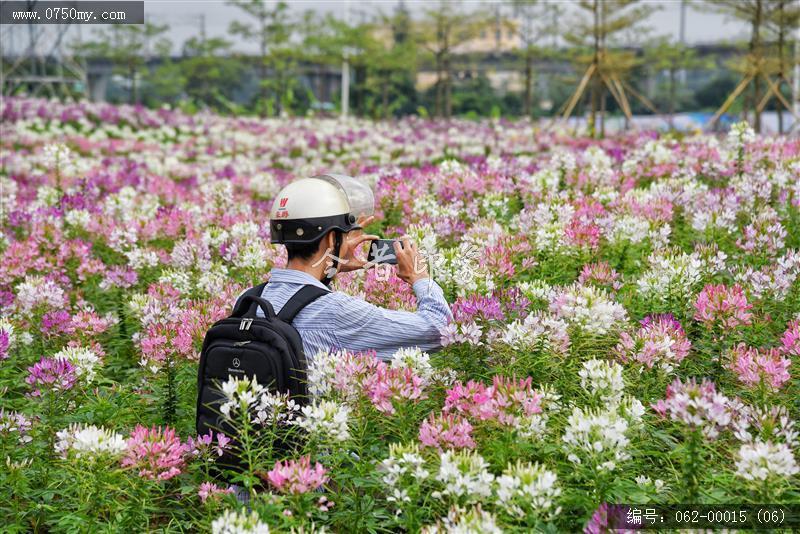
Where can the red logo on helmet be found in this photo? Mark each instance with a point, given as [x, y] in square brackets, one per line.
[283, 201]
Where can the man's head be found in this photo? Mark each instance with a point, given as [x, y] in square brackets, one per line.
[311, 215]
[311, 252]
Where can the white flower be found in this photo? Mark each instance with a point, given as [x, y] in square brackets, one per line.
[465, 474]
[275, 408]
[239, 522]
[38, 291]
[321, 373]
[763, 460]
[177, 278]
[58, 157]
[240, 394]
[598, 435]
[538, 330]
[415, 359]
[671, 274]
[84, 360]
[629, 228]
[460, 521]
[602, 379]
[89, 441]
[740, 134]
[325, 421]
[591, 308]
[404, 468]
[526, 487]
[78, 218]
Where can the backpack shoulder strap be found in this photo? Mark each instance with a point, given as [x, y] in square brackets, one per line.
[305, 296]
[254, 291]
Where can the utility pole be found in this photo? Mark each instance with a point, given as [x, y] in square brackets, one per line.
[202, 28]
[682, 38]
[796, 84]
[346, 68]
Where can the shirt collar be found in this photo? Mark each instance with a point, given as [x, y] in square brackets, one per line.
[293, 276]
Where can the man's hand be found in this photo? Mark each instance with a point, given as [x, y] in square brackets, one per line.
[411, 266]
[350, 245]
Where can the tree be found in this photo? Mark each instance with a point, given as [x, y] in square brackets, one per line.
[209, 71]
[785, 17]
[272, 30]
[128, 46]
[671, 57]
[378, 50]
[444, 28]
[602, 22]
[537, 24]
[758, 66]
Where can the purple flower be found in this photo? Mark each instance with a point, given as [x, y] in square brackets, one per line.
[54, 374]
[57, 322]
[487, 308]
[5, 341]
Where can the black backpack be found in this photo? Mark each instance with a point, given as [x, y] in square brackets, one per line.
[243, 344]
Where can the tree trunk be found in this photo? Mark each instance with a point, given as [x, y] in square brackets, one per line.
[385, 96]
[603, 97]
[781, 42]
[755, 50]
[672, 97]
[595, 77]
[448, 89]
[262, 68]
[132, 71]
[439, 87]
[528, 110]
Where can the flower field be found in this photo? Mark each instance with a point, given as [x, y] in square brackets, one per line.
[627, 325]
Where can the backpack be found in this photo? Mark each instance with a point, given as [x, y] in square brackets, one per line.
[243, 344]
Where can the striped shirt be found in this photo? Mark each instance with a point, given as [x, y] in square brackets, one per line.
[341, 321]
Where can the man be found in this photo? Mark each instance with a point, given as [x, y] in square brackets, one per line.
[319, 220]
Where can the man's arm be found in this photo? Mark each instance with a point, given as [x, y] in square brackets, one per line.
[363, 326]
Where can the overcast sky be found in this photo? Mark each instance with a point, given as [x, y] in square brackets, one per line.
[185, 18]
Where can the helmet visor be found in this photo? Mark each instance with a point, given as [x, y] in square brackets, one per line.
[359, 194]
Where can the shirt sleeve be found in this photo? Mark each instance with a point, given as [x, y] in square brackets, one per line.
[369, 327]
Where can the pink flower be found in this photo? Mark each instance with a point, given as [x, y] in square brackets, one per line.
[790, 341]
[583, 234]
[157, 453]
[203, 444]
[297, 476]
[600, 273]
[506, 401]
[389, 384]
[209, 489]
[754, 366]
[598, 524]
[660, 339]
[447, 431]
[719, 304]
[698, 406]
[54, 374]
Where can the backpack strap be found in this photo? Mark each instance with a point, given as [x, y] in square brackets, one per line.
[252, 292]
[305, 296]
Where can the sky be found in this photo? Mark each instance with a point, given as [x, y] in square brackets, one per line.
[186, 17]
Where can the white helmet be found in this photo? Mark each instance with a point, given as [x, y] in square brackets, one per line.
[308, 208]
